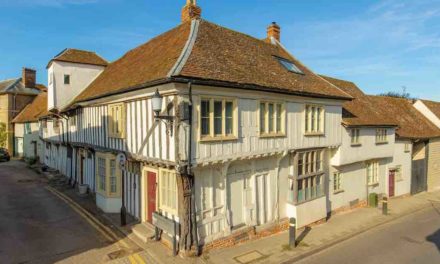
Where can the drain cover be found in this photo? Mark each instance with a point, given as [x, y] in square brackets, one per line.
[249, 257]
[117, 254]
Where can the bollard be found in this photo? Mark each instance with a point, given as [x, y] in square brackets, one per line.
[292, 232]
[385, 206]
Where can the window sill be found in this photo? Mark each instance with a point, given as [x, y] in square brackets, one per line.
[314, 134]
[373, 184]
[272, 135]
[214, 139]
[306, 201]
[382, 143]
[338, 191]
[356, 144]
[116, 137]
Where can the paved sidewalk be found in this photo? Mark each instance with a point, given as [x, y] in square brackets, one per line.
[274, 249]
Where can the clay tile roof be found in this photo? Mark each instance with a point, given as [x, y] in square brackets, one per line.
[411, 123]
[79, 56]
[148, 62]
[33, 111]
[222, 54]
[362, 110]
[219, 55]
[433, 106]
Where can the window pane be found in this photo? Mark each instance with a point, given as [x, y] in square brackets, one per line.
[300, 191]
[112, 176]
[278, 118]
[262, 117]
[229, 118]
[307, 118]
[300, 164]
[313, 120]
[205, 117]
[271, 118]
[318, 118]
[217, 117]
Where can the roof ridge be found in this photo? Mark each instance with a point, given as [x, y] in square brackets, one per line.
[187, 49]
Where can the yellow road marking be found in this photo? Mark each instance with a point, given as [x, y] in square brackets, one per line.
[132, 260]
[102, 229]
[139, 259]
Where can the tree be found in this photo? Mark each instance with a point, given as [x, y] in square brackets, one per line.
[403, 94]
[3, 135]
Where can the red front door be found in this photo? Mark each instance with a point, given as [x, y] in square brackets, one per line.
[391, 183]
[151, 195]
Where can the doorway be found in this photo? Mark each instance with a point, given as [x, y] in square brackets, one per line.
[151, 191]
[391, 183]
[262, 199]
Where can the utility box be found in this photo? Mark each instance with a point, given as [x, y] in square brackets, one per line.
[372, 200]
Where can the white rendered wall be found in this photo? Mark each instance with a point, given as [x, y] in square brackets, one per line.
[81, 75]
[368, 149]
[404, 160]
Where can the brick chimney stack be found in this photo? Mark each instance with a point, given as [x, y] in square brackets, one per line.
[273, 30]
[191, 11]
[29, 77]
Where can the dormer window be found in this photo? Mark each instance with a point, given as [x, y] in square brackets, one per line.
[290, 66]
[66, 79]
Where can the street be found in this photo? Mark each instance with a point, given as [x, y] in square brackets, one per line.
[411, 239]
[38, 227]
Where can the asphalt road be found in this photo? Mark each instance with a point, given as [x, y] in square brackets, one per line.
[411, 239]
[36, 226]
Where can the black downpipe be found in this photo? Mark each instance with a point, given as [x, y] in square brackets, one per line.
[190, 173]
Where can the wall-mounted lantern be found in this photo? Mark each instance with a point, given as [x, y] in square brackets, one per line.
[157, 102]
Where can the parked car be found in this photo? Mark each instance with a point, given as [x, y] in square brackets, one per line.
[4, 155]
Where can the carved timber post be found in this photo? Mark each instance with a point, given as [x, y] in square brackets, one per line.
[184, 186]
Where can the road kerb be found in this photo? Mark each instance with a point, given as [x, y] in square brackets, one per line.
[93, 221]
[349, 236]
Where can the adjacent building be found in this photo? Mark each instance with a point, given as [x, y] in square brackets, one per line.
[370, 159]
[431, 110]
[27, 128]
[417, 135]
[15, 94]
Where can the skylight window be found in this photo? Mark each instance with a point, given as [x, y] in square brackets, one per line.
[289, 66]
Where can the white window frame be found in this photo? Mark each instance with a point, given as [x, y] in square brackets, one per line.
[109, 174]
[407, 148]
[372, 170]
[314, 120]
[398, 173]
[355, 136]
[72, 120]
[278, 119]
[311, 170]
[168, 185]
[116, 120]
[56, 126]
[381, 136]
[223, 136]
[337, 182]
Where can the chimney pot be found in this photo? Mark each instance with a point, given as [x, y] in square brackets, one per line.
[191, 11]
[29, 77]
[274, 31]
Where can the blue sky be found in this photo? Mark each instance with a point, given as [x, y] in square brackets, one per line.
[380, 45]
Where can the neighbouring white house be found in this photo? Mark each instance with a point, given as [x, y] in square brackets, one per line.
[240, 143]
[369, 159]
[69, 73]
[416, 130]
[431, 110]
[27, 128]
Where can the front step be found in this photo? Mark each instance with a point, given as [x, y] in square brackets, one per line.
[143, 231]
